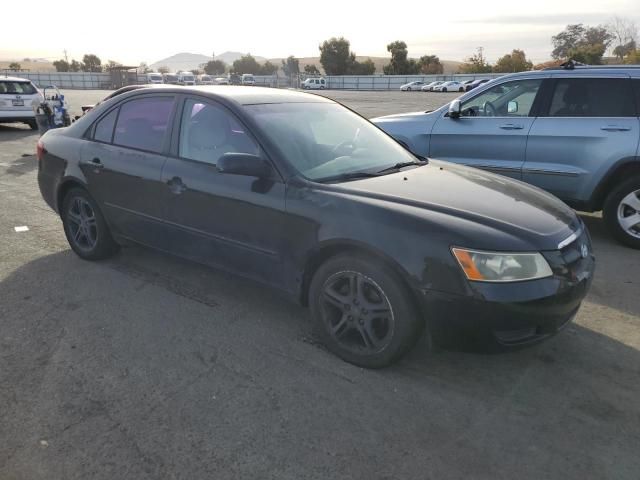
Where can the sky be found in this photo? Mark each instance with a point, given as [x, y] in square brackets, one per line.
[137, 31]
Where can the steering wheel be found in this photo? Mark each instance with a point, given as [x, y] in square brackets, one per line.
[489, 109]
[343, 149]
[348, 146]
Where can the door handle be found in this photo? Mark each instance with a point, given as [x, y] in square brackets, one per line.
[511, 126]
[94, 163]
[615, 128]
[176, 185]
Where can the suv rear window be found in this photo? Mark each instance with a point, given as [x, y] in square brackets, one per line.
[592, 97]
[19, 88]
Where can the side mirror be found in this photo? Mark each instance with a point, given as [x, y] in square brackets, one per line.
[455, 109]
[243, 164]
[512, 107]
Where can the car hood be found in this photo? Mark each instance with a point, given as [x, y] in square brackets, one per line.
[533, 217]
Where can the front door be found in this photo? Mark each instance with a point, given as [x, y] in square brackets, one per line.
[492, 131]
[588, 125]
[122, 163]
[231, 221]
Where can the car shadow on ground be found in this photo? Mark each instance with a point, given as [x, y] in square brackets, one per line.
[15, 131]
[148, 364]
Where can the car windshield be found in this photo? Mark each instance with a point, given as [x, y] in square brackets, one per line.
[325, 141]
[20, 88]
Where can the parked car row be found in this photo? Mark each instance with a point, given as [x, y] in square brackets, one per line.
[443, 86]
[188, 78]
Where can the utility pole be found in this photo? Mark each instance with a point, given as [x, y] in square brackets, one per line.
[65, 56]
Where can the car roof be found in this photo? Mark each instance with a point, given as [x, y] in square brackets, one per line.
[6, 78]
[241, 95]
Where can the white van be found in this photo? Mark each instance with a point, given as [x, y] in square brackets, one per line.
[186, 78]
[154, 77]
[314, 84]
[204, 79]
[247, 79]
[171, 78]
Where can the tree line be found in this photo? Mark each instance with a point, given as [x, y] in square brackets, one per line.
[579, 42]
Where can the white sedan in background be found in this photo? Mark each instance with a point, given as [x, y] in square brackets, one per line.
[430, 86]
[407, 87]
[449, 87]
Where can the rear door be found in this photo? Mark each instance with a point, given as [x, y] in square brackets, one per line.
[492, 132]
[122, 162]
[588, 123]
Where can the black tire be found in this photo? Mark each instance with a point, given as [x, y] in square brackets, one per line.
[615, 204]
[389, 335]
[33, 124]
[408, 89]
[461, 89]
[444, 89]
[97, 243]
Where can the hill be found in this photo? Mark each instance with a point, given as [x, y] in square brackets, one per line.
[188, 61]
[36, 65]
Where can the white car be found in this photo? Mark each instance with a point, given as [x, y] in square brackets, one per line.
[314, 84]
[430, 86]
[221, 81]
[18, 96]
[247, 79]
[154, 77]
[407, 87]
[204, 79]
[449, 87]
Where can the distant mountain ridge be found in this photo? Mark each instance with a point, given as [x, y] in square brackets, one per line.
[189, 61]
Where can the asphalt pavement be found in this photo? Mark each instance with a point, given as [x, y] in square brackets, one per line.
[146, 366]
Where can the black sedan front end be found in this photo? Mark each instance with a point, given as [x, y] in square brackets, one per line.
[502, 316]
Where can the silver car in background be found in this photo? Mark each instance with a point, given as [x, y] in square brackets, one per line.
[574, 132]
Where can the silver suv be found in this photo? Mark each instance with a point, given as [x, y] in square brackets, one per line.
[573, 131]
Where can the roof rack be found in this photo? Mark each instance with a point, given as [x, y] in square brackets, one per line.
[572, 65]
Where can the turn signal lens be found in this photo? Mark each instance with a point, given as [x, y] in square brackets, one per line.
[482, 266]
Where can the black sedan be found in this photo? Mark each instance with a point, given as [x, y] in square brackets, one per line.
[300, 193]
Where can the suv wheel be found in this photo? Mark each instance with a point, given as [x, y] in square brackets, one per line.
[363, 312]
[33, 124]
[85, 228]
[622, 212]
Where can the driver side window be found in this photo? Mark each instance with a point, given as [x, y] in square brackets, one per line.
[209, 131]
[511, 99]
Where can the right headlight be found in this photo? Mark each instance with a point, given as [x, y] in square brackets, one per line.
[481, 266]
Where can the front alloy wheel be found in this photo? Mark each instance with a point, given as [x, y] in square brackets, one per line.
[357, 313]
[363, 311]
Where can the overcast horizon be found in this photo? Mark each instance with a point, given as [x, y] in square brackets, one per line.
[279, 31]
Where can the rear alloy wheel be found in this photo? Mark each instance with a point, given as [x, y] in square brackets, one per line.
[85, 228]
[363, 312]
[622, 212]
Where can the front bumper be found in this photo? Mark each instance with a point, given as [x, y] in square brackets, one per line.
[498, 317]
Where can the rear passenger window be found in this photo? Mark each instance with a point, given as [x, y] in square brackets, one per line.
[636, 88]
[592, 97]
[143, 122]
[104, 128]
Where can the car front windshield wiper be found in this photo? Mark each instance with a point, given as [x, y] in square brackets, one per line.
[344, 177]
[400, 165]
